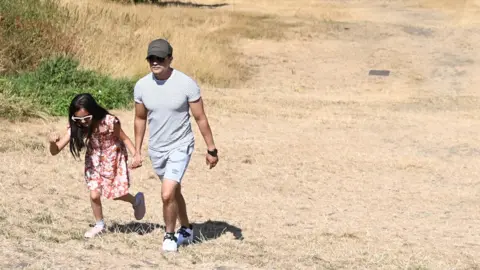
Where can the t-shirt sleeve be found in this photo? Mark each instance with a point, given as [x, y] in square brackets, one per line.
[193, 91]
[137, 94]
[111, 121]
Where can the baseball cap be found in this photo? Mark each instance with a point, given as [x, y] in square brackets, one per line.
[160, 48]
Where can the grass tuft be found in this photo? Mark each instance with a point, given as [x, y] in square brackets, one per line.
[31, 30]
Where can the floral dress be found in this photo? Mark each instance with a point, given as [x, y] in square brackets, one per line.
[106, 157]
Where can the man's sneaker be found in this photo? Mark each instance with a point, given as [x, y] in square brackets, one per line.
[184, 236]
[139, 207]
[170, 242]
[96, 230]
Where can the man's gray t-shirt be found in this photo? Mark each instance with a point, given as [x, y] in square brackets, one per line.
[168, 109]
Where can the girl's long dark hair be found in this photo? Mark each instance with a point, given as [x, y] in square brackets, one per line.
[78, 138]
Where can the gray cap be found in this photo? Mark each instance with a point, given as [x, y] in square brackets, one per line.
[159, 47]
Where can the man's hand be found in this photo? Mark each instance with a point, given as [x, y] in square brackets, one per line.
[211, 160]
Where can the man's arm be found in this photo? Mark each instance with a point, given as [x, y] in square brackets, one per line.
[140, 124]
[198, 113]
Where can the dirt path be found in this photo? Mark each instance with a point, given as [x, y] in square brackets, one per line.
[322, 165]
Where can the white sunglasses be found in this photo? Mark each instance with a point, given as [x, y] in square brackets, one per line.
[82, 119]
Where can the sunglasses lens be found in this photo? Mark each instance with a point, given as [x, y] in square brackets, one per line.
[156, 59]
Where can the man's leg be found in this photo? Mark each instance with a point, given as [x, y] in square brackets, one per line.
[182, 208]
[173, 201]
[170, 208]
[159, 163]
[184, 235]
[170, 211]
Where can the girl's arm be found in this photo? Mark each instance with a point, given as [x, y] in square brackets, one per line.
[124, 138]
[57, 143]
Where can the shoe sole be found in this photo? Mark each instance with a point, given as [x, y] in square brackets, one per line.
[142, 199]
[96, 235]
[185, 242]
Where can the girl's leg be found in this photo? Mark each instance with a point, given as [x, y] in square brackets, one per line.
[138, 203]
[127, 198]
[96, 203]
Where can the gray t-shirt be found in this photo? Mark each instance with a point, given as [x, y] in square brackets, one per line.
[168, 109]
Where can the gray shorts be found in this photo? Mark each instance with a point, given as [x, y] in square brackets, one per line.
[171, 164]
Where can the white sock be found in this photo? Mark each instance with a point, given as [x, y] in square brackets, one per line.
[100, 224]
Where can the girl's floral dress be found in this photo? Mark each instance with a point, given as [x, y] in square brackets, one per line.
[106, 157]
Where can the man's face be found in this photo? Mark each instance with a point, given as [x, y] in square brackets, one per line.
[159, 65]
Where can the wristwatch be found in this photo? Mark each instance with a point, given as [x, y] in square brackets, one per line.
[213, 152]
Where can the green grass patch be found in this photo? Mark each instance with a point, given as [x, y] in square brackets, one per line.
[52, 86]
[38, 75]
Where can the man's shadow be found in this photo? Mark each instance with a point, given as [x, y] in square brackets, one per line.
[214, 229]
[202, 232]
[135, 227]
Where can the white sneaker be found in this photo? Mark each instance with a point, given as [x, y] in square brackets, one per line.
[95, 231]
[170, 243]
[184, 236]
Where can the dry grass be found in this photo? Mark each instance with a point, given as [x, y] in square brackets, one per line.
[322, 166]
[114, 38]
[464, 12]
[26, 26]
[16, 108]
[443, 4]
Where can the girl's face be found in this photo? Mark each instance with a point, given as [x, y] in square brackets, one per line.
[82, 118]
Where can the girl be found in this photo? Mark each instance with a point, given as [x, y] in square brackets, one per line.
[106, 171]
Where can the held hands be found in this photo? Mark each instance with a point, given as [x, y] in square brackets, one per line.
[137, 161]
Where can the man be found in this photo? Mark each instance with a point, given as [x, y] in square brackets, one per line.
[164, 97]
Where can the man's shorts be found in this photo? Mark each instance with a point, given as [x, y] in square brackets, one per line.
[171, 164]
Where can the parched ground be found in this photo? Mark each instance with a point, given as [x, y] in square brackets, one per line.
[322, 166]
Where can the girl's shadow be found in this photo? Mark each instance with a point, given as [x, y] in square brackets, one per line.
[135, 227]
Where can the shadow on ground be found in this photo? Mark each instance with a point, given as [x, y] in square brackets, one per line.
[213, 229]
[135, 227]
[202, 231]
[177, 4]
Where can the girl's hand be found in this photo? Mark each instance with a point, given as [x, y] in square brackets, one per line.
[53, 137]
[57, 143]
